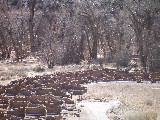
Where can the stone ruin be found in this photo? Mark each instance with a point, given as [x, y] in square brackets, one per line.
[50, 96]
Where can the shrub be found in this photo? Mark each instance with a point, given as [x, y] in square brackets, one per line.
[38, 69]
[6, 75]
[3, 78]
[121, 58]
[149, 102]
[22, 74]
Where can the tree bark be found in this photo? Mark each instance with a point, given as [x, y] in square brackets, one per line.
[81, 46]
[94, 32]
[95, 43]
[31, 34]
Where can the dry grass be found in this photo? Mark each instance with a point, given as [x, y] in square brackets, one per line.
[135, 98]
[9, 72]
[13, 71]
[149, 115]
[12, 74]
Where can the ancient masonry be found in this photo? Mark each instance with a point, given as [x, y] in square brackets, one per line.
[49, 97]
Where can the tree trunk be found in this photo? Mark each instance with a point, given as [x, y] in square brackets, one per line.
[4, 48]
[94, 32]
[31, 34]
[89, 46]
[95, 42]
[103, 47]
[81, 46]
[50, 64]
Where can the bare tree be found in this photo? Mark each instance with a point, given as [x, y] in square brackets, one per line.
[142, 16]
[66, 32]
[32, 4]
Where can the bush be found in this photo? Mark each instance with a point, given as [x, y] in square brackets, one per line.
[38, 69]
[149, 102]
[150, 115]
[121, 58]
[7, 75]
[1, 68]
[21, 74]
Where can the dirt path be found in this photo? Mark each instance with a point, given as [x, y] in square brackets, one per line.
[96, 110]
